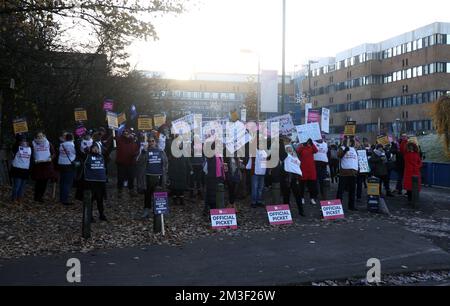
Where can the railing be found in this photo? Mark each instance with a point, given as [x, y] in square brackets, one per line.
[436, 174]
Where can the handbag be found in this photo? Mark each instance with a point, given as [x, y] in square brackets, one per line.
[75, 163]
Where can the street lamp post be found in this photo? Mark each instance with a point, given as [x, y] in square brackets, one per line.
[283, 81]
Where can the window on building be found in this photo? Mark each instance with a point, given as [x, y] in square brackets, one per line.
[432, 40]
[432, 68]
[419, 71]
[448, 67]
[414, 72]
[440, 67]
[419, 44]
[408, 73]
[409, 47]
[448, 39]
[426, 42]
[414, 45]
[439, 39]
[425, 69]
[352, 61]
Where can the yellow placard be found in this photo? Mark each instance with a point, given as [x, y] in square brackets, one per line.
[121, 118]
[80, 114]
[159, 120]
[234, 116]
[20, 126]
[350, 128]
[373, 189]
[383, 140]
[145, 123]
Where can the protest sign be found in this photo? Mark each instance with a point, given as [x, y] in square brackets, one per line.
[279, 214]
[79, 131]
[244, 114]
[292, 165]
[332, 210]
[160, 203]
[363, 162]
[373, 189]
[159, 120]
[350, 128]
[121, 118]
[113, 122]
[80, 114]
[108, 105]
[286, 124]
[145, 123]
[383, 140]
[20, 126]
[308, 106]
[325, 120]
[307, 131]
[413, 139]
[223, 218]
[313, 115]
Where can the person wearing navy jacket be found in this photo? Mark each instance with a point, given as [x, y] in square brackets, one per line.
[95, 177]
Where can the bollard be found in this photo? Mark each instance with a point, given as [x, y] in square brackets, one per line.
[415, 192]
[220, 196]
[276, 193]
[87, 214]
[157, 219]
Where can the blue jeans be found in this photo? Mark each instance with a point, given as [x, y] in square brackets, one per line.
[257, 189]
[65, 184]
[18, 188]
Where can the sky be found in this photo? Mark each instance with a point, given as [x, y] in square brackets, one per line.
[209, 36]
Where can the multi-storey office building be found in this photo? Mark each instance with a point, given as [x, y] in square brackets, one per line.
[214, 95]
[380, 84]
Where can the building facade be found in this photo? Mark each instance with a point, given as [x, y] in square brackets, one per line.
[384, 85]
[214, 95]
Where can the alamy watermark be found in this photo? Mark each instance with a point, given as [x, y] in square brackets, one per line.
[73, 275]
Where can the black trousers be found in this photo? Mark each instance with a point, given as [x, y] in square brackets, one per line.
[347, 183]
[334, 169]
[232, 191]
[39, 189]
[97, 190]
[287, 184]
[384, 180]
[312, 188]
[360, 180]
[321, 170]
[152, 183]
[125, 173]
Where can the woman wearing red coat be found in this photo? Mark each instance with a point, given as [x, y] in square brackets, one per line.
[309, 175]
[413, 163]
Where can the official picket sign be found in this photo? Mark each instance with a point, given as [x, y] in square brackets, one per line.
[223, 218]
[20, 126]
[279, 214]
[332, 210]
[161, 206]
[313, 116]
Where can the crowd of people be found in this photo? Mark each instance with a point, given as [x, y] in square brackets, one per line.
[145, 162]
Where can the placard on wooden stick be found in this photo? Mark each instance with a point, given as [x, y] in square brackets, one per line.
[350, 128]
[20, 126]
[80, 114]
[145, 123]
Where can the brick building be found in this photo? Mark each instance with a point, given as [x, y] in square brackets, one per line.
[385, 84]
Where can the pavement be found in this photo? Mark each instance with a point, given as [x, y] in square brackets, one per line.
[308, 254]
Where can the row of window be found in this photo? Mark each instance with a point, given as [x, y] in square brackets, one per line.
[391, 102]
[435, 39]
[197, 95]
[409, 126]
[384, 79]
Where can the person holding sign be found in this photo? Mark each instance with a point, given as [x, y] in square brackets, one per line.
[289, 177]
[155, 172]
[306, 153]
[349, 167]
[20, 170]
[42, 170]
[321, 161]
[95, 177]
[378, 165]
